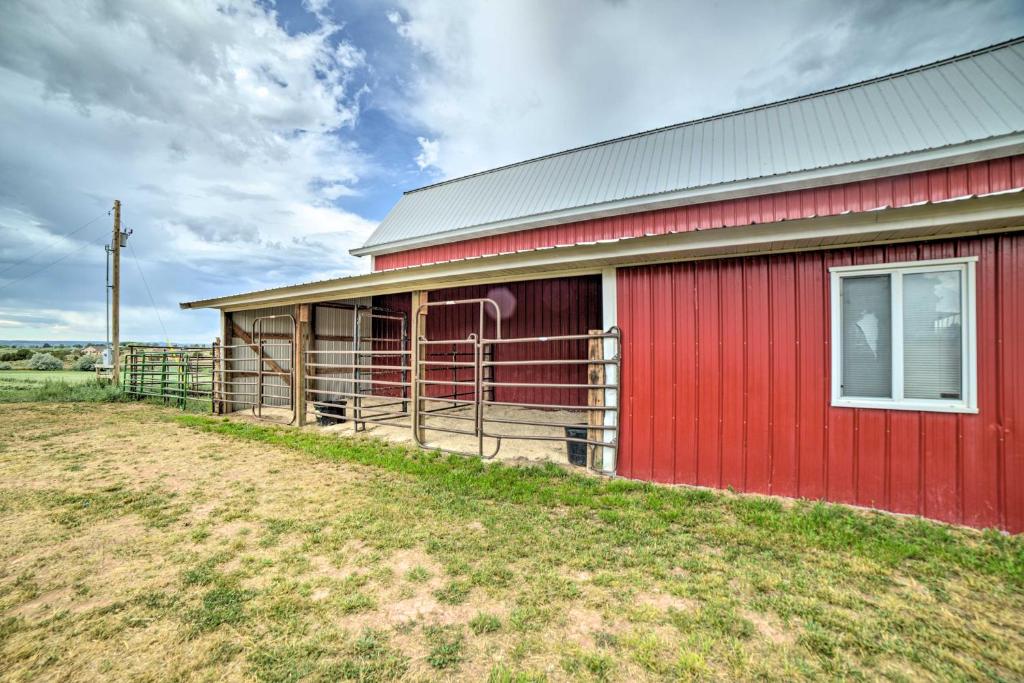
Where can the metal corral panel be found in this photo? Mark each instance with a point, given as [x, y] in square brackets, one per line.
[334, 329]
[535, 308]
[276, 333]
[974, 97]
[725, 383]
[979, 178]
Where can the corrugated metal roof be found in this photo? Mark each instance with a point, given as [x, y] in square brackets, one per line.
[973, 97]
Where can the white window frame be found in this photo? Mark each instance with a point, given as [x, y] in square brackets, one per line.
[968, 403]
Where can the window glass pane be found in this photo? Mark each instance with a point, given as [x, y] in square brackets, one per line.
[867, 336]
[931, 335]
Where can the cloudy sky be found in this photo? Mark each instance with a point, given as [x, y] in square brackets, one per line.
[254, 143]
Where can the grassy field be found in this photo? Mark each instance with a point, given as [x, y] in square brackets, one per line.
[40, 376]
[162, 546]
[52, 385]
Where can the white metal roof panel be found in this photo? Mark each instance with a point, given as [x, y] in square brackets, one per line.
[973, 97]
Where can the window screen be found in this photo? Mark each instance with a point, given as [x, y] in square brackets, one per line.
[867, 336]
[932, 332]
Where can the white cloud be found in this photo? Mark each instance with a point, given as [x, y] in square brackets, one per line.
[429, 151]
[503, 81]
[224, 136]
[395, 17]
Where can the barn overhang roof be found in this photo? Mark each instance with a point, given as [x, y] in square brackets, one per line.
[928, 220]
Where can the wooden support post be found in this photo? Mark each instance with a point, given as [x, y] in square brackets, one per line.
[595, 398]
[299, 347]
[418, 325]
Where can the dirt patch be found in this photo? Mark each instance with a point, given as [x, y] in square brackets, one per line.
[770, 628]
[665, 601]
[404, 561]
[582, 624]
[324, 567]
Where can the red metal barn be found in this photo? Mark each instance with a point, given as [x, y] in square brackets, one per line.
[819, 298]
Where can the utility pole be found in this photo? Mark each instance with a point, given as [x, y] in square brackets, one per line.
[115, 306]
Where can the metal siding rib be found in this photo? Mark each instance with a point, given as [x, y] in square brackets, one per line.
[970, 98]
[787, 137]
[707, 146]
[946, 128]
[671, 169]
[844, 133]
[1006, 110]
[872, 122]
[941, 82]
[642, 166]
[751, 157]
[623, 170]
[979, 105]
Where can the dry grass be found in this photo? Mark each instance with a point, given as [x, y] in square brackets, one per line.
[137, 547]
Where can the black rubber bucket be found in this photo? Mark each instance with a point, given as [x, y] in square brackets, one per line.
[331, 414]
[577, 451]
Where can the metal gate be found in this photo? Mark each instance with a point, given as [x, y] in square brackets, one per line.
[369, 382]
[464, 385]
[457, 384]
[274, 386]
[180, 375]
[593, 427]
[258, 372]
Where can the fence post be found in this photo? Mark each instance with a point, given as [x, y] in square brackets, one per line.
[595, 398]
[163, 376]
[300, 343]
[419, 327]
[125, 382]
[182, 378]
[143, 377]
[226, 384]
[215, 405]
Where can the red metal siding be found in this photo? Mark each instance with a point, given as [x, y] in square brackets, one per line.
[726, 383]
[553, 307]
[983, 177]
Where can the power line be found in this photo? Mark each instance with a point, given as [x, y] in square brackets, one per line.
[152, 302]
[53, 263]
[73, 232]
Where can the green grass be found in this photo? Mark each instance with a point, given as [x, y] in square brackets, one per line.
[18, 386]
[484, 623]
[635, 509]
[233, 550]
[71, 386]
[41, 376]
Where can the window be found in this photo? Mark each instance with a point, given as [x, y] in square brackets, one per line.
[903, 336]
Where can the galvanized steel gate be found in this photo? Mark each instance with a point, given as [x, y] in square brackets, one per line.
[257, 373]
[474, 383]
[367, 383]
[464, 392]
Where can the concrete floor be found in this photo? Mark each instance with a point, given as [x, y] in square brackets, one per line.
[509, 448]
